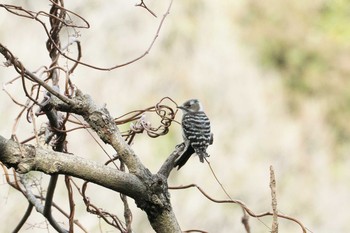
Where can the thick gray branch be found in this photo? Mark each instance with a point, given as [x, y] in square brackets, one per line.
[29, 158]
[150, 193]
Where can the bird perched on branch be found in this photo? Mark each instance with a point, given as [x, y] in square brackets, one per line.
[196, 132]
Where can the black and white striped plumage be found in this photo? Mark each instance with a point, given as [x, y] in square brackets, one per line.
[196, 132]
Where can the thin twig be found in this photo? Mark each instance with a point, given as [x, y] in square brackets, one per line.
[245, 218]
[71, 203]
[39, 207]
[47, 212]
[143, 5]
[274, 228]
[24, 218]
[33, 15]
[21, 69]
[240, 203]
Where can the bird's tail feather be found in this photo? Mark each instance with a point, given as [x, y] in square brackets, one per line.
[202, 155]
[184, 157]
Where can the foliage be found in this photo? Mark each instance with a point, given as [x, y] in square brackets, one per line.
[308, 44]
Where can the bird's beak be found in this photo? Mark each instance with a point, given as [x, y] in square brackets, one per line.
[181, 107]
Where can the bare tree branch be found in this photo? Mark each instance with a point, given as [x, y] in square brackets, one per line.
[168, 165]
[103, 124]
[43, 209]
[274, 228]
[35, 15]
[24, 218]
[51, 162]
[12, 60]
[149, 192]
[240, 203]
[15, 185]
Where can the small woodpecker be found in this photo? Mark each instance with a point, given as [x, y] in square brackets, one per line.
[196, 132]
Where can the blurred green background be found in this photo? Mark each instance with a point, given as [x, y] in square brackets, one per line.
[273, 78]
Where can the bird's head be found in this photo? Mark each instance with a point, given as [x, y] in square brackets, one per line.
[192, 105]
